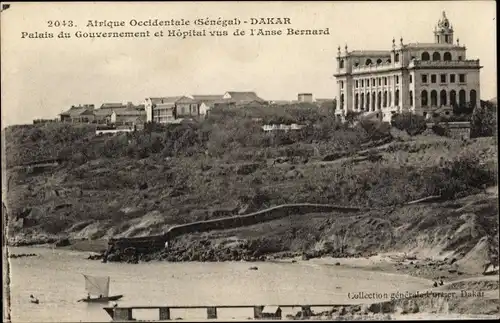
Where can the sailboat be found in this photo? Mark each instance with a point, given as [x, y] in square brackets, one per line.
[98, 290]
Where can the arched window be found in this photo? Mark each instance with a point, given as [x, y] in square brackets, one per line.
[473, 98]
[453, 97]
[396, 98]
[461, 98]
[379, 61]
[436, 56]
[423, 98]
[447, 56]
[425, 56]
[341, 63]
[342, 101]
[443, 97]
[356, 64]
[356, 101]
[373, 101]
[411, 98]
[379, 100]
[385, 99]
[362, 106]
[434, 98]
[396, 58]
[368, 62]
[367, 101]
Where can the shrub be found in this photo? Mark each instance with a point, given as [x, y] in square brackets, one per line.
[375, 129]
[411, 123]
[441, 130]
[484, 120]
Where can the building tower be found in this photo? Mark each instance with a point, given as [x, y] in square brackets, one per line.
[443, 32]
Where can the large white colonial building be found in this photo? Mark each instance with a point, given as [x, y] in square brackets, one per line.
[419, 77]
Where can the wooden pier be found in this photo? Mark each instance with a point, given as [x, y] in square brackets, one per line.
[259, 312]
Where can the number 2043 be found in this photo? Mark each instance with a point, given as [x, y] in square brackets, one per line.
[60, 23]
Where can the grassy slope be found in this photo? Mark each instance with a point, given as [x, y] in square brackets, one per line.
[141, 184]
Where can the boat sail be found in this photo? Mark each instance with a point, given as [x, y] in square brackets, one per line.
[97, 286]
[98, 289]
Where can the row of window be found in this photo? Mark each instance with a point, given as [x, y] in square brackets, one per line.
[379, 100]
[374, 81]
[445, 98]
[442, 78]
[436, 56]
[425, 79]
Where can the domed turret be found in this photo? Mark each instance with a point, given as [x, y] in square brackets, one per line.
[443, 32]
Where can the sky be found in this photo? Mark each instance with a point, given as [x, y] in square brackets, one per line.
[40, 78]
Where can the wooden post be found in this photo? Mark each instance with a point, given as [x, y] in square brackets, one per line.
[306, 311]
[257, 312]
[211, 312]
[164, 313]
[122, 314]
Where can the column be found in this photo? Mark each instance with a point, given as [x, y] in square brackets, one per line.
[164, 313]
[211, 313]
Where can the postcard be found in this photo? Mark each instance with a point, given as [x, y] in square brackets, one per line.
[249, 160]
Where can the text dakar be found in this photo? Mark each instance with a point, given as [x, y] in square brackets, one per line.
[270, 21]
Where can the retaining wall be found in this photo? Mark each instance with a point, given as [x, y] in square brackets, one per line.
[153, 243]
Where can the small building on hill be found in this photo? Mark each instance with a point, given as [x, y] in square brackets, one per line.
[241, 98]
[305, 97]
[78, 114]
[128, 117]
[207, 102]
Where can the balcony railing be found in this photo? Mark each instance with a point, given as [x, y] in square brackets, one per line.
[375, 67]
[466, 63]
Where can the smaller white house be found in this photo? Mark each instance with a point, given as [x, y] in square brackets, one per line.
[207, 102]
[282, 127]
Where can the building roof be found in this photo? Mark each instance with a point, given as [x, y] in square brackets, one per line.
[370, 53]
[244, 96]
[165, 99]
[186, 99]
[203, 98]
[77, 111]
[111, 105]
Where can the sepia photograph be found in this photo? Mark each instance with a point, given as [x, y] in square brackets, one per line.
[260, 160]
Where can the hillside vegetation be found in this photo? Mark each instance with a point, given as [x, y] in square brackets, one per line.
[141, 183]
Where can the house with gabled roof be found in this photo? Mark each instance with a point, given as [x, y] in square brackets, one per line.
[187, 107]
[208, 102]
[78, 114]
[129, 117]
[167, 109]
[240, 98]
[103, 114]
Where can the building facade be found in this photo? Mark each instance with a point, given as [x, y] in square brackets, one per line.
[423, 78]
[305, 97]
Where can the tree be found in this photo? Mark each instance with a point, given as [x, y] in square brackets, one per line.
[464, 108]
[484, 120]
[413, 124]
[352, 116]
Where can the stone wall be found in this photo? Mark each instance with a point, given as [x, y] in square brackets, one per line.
[155, 243]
